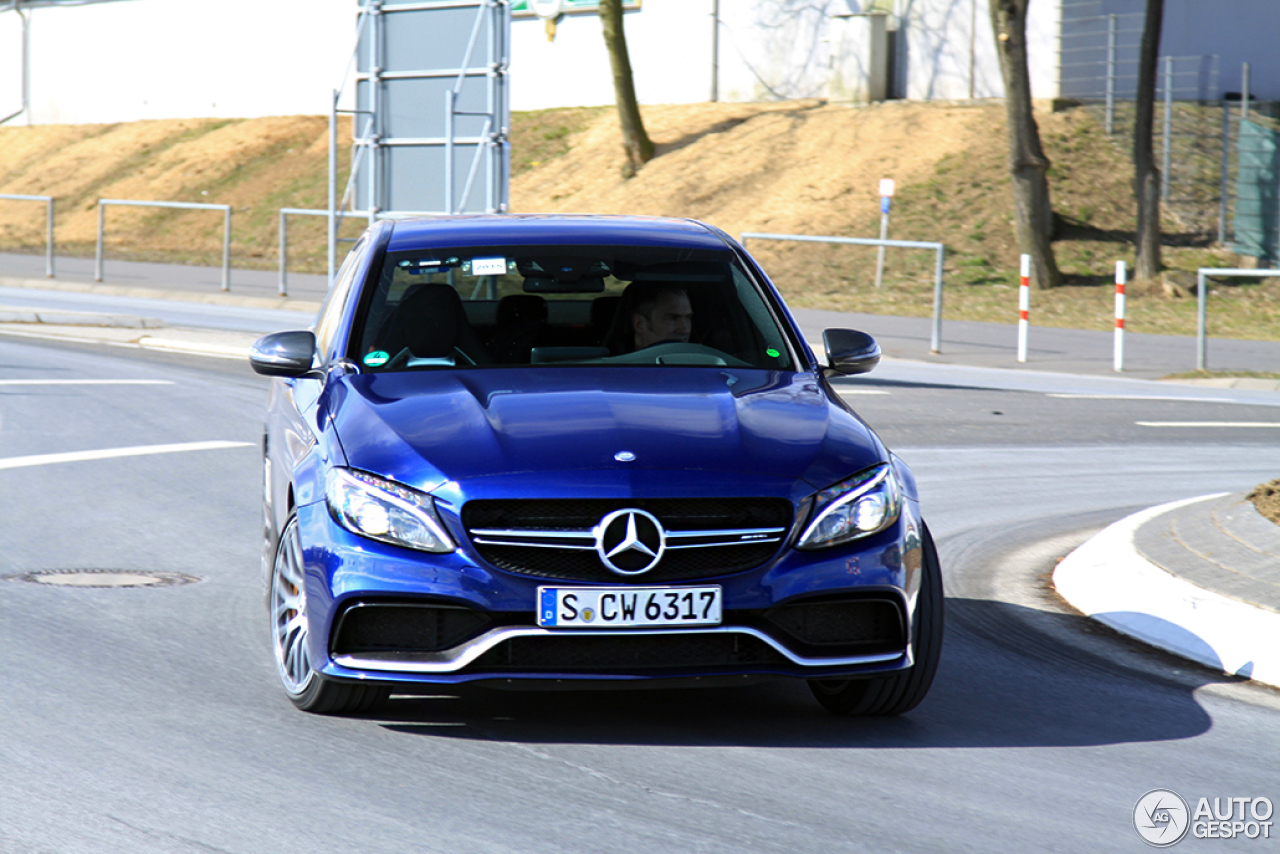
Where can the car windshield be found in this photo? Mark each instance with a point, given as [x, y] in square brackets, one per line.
[510, 306]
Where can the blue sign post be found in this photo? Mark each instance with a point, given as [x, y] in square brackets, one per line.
[886, 198]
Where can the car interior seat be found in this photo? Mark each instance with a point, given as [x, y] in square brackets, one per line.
[520, 322]
[432, 324]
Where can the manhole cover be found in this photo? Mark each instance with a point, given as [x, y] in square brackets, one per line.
[104, 578]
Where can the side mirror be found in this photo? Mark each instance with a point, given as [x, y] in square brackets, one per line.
[283, 354]
[850, 351]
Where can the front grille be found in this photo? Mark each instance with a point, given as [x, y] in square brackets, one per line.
[553, 538]
[841, 626]
[405, 627]
[626, 654]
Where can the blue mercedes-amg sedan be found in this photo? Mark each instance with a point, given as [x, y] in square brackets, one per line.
[572, 448]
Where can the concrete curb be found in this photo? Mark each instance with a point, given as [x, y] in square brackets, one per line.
[205, 297]
[55, 317]
[197, 342]
[1108, 580]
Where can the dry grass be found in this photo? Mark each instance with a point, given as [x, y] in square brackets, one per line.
[798, 167]
[1266, 497]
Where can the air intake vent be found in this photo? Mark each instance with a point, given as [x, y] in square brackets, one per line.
[621, 655]
[844, 626]
[404, 627]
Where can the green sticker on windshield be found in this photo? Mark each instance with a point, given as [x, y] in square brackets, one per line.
[376, 359]
[772, 353]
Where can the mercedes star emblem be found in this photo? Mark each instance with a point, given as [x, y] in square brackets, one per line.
[630, 542]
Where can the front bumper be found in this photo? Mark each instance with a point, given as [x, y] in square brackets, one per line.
[345, 572]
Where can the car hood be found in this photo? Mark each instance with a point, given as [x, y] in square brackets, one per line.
[427, 428]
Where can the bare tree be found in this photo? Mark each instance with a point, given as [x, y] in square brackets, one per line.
[635, 142]
[1028, 165]
[1146, 175]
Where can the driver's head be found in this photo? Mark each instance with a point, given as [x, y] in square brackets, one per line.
[662, 312]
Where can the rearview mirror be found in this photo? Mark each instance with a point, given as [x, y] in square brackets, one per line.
[283, 354]
[850, 351]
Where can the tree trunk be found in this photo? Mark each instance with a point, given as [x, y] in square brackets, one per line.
[1146, 175]
[635, 142]
[1027, 163]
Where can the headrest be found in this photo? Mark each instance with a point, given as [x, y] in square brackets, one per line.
[602, 311]
[518, 308]
[430, 319]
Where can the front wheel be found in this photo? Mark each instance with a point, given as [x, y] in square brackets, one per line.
[884, 696]
[290, 630]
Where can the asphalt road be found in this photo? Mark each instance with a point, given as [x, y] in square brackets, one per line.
[148, 719]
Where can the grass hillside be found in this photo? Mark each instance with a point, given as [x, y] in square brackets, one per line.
[796, 167]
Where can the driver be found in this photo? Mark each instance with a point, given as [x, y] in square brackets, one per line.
[661, 312]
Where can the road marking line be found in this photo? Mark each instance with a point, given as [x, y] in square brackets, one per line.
[1271, 424]
[1140, 397]
[86, 382]
[859, 391]
[225, 351]
[113, 453]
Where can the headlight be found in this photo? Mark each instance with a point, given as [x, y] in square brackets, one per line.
[864, 504]
[383, 510]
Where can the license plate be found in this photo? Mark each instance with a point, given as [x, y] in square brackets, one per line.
[623, 607]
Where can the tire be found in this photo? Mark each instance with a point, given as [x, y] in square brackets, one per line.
[884, 696]
[290, 630]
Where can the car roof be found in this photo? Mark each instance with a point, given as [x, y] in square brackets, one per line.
[552, 230]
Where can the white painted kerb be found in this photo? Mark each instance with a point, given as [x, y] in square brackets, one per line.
[1107, 579]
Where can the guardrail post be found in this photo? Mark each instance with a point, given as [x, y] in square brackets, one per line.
[1201, 295]
[1024, 305]
[226, 249]
[939, 269]
[284, 254]
[226, 230]
[48, 224]
[97, 258]
[48, 252]
[935, 340]
[1122, 277]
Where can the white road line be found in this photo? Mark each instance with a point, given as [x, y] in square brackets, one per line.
[843, 391]
[1208, 424]
[1182, 398]
[112, 453]
[85, 382]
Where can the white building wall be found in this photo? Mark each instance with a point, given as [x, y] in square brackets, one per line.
[947, 50]
[152, 59]
[769, 50]
[669, 42]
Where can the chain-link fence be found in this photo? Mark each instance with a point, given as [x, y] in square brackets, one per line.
[1218, 182]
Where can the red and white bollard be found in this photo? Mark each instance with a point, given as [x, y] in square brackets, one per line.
[1024, 307]
[1122, 276]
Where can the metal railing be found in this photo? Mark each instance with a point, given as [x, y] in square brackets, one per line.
[226, 230]
[48, 217]
[283, 287]
[935, 343]
[1202, 292]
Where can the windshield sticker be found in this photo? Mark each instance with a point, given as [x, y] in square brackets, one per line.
[427, 266]
[488, 266]
[377, 358]
[772, 353]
